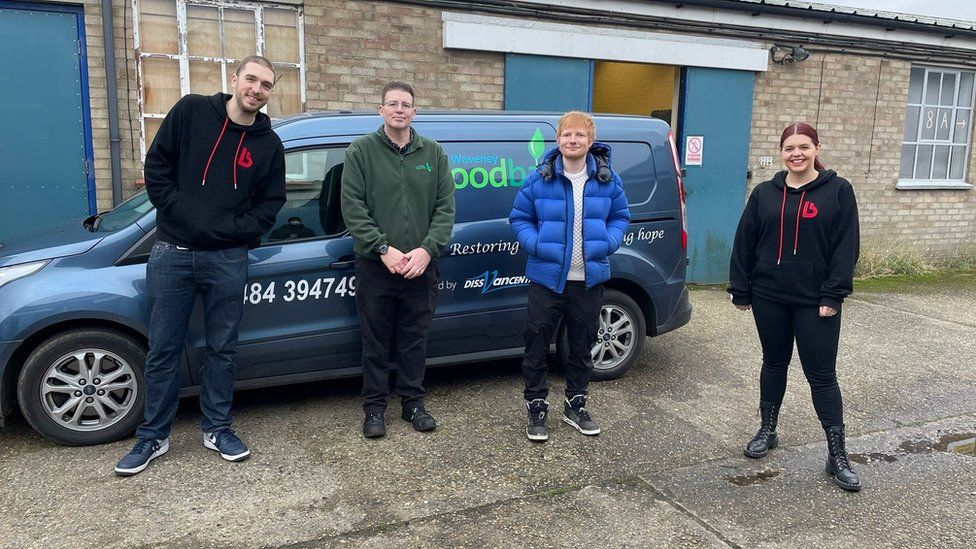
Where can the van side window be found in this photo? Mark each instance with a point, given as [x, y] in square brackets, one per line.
[635, 165]
[311, 207]
[487, 177]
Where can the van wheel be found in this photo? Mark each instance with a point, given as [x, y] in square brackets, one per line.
[620, 337]
[84, 387]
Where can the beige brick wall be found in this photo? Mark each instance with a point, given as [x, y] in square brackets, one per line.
[861, 129]
[353, 48]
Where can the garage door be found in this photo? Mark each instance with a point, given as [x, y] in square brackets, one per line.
[46, 156]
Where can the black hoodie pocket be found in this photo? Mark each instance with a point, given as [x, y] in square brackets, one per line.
[789, 280]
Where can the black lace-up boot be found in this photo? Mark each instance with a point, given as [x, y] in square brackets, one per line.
[838, 466]
[765, 439]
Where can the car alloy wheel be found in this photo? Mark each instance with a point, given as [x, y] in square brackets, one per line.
[615, 338]
[88, 389]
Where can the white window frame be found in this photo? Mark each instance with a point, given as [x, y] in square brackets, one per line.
[960, 184]
[184, 58]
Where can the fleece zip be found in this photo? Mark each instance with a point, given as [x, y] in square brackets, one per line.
[215, 184]
[796, 246]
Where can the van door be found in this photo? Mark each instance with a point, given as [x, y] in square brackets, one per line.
[300, 307]
[483, 289]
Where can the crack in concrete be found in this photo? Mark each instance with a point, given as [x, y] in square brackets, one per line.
[633, 480]
[937, 320]
[664, 495]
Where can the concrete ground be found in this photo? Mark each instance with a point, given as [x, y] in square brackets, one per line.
[666, 472]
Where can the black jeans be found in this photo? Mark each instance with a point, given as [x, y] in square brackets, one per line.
[395, 315]
[816, 342]
[580, 308]
[174, 278]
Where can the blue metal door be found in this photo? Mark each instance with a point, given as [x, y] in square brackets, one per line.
[716, 104]
[540, 83]
[45, 148]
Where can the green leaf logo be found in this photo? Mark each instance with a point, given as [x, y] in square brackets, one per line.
[537, 145]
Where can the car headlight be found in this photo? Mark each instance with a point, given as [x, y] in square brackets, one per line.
[9, 274]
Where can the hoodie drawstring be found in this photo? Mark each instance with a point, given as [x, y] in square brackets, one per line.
[782, 213]
[782, 220]
[796, 235]
[214, 151]
[238, 152]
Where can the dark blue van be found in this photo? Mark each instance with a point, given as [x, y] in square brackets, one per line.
[73, 319]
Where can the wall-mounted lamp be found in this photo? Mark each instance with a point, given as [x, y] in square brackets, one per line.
[788, 54]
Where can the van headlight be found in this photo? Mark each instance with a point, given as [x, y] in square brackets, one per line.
[13, 272]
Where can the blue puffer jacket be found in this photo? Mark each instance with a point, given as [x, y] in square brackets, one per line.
[542, 219]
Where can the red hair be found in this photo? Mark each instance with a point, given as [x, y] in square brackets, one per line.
[802, 128]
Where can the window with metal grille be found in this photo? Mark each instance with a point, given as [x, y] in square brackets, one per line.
[194, 46]
[936, 147]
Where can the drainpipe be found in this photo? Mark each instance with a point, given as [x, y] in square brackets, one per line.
[111, 85]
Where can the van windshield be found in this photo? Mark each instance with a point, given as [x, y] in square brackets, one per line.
[124, 214]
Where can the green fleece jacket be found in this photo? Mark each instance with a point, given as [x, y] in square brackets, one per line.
[406, 202]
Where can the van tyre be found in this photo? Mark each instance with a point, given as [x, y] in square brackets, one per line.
[84, 387]
[620, 337]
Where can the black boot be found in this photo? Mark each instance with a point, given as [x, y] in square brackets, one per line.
[765, 439]
[838, 466]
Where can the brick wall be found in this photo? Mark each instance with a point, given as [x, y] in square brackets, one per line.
[860, 121]
[353, 48]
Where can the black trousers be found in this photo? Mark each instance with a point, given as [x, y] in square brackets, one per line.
[395, 315]
[580, 309]
[816, 342]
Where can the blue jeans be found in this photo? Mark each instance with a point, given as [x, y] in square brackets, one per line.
[174, 278]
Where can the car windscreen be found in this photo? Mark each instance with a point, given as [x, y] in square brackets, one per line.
[124, 214]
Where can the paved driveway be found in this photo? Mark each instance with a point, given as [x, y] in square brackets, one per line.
[667, 471]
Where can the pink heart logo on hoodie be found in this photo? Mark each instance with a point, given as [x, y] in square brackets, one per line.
[245, 161]
[809, 210]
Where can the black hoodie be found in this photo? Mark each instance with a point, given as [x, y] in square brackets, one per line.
[796, 246]
[215, 184]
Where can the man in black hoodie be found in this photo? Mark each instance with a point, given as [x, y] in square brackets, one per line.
[216, 174]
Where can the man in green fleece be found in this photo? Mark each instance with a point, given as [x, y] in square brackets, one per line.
[398, 204]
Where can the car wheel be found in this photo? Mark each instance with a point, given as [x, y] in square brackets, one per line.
[84, 387]
[620, 337]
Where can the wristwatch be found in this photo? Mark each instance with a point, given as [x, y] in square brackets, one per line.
[382, 249]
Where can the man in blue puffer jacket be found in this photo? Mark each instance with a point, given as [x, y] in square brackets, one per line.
[569, 217]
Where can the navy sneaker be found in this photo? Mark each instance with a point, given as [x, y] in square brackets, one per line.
[226, 442]
[145, 450]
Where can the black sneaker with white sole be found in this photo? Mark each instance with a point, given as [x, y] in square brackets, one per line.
[575, 414]
[536, 430]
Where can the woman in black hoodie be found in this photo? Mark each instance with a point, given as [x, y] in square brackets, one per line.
[793, 264]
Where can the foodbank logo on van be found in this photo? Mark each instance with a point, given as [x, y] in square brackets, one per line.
[493, 169]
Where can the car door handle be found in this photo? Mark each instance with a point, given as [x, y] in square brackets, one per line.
[345, 262]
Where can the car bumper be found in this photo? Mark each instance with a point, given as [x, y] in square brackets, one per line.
[8, 383]
[680, 316]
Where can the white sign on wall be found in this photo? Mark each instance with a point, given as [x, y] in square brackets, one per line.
[693, 150]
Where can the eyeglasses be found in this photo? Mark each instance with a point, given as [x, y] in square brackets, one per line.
[394, 104]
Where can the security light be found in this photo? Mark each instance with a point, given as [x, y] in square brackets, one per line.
[788, 54]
